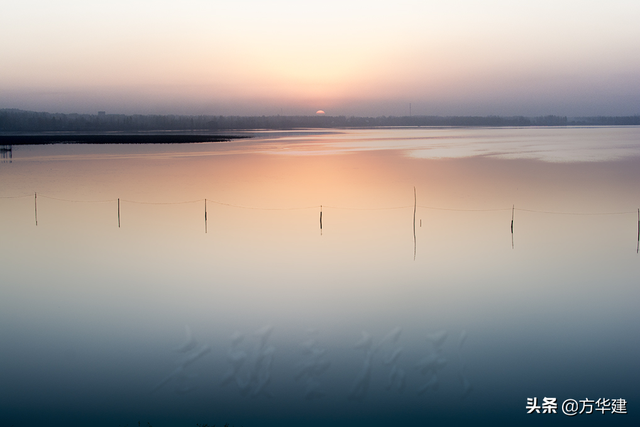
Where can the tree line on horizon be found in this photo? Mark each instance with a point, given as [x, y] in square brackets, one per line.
[13, 120]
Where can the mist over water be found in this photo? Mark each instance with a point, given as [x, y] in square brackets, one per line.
[267, 319]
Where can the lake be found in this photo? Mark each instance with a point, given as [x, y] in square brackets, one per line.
[411, 276]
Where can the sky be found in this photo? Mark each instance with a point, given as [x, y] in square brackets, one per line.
[362, 58]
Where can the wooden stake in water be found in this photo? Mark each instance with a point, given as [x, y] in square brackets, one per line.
[321, 220]
[513, 209]
[118, 212]
[205, 216]
[35, 206]
[415, 205]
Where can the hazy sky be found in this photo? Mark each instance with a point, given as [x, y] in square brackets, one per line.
[506, 57]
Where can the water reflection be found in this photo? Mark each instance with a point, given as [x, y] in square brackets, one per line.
[505, 325]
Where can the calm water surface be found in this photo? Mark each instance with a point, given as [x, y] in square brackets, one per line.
[381, 317]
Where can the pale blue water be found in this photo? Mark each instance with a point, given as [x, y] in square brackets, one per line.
[266, 319]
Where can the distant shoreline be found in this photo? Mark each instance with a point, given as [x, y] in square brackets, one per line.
[20, 121]
[71, 138]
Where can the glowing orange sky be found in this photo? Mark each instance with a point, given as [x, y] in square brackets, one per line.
[353, 58]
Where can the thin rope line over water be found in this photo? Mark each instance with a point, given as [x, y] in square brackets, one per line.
[576, 213]
[79, 201]
[162, 203]
[327, 206]
[367, 209]
[265, 209]
[464, 210]
[15, 197]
